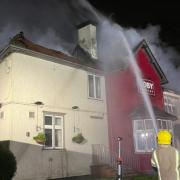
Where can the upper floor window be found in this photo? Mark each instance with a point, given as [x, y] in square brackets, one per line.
[170, 105]
[53, 127]
[94, 86]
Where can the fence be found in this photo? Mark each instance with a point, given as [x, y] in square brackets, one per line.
[103, 156]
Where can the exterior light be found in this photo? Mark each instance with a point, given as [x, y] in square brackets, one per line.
[39, 103]
[75, 107]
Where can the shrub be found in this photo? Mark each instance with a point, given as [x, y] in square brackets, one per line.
[7, 164]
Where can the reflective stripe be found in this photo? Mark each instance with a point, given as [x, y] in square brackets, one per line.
[153, 163]
[156, 160]
[177, 164]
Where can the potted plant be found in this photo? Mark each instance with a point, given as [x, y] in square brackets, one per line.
[40, 138]
[78, 138]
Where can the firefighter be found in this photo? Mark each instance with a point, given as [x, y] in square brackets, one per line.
[165, 158]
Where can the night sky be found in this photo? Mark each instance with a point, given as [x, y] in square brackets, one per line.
[141, 13]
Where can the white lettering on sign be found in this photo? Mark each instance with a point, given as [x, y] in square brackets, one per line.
[149, 86]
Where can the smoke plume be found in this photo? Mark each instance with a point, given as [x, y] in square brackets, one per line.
[48, 22]
[52, 23]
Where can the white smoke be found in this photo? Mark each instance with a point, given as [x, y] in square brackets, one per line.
[111, 48]
[56, 42]
[164, 54]
[53, 24]
[50, 23]
[110, 45]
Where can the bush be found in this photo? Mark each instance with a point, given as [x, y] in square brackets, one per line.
[7, 164]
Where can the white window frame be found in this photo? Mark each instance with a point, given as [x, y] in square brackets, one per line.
[145, 131]
[53, 127]
[170, 105]
[95, 87]
[168, 123]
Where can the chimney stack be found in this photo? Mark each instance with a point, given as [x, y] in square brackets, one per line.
[87, 38]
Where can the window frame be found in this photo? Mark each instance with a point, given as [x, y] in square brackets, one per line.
[54, 127]
[170, 105]
[95, 87]
[145, 130]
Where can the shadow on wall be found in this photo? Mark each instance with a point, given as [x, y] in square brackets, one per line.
[34, 162]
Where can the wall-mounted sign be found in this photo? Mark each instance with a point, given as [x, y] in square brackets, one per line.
[149, 86]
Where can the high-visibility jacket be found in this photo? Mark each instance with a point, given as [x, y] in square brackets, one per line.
[167, 161]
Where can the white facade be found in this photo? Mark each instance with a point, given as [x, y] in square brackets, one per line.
[26, 79]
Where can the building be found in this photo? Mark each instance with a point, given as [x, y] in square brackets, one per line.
[128, 114]
[44, 90]
[172, 106]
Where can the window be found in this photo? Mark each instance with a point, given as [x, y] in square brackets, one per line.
[53, 127]
[144, 135]
[170, 104]
[165, 124]
[94, 86]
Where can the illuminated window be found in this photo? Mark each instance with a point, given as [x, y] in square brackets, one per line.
[144, 135]
[53, 127]
[94, 86]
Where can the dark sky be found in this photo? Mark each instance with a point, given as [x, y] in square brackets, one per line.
[140, 13]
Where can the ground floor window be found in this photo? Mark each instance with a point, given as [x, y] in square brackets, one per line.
[53, 127]
[144, 134]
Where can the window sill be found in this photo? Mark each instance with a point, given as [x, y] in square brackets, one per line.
[96, 99]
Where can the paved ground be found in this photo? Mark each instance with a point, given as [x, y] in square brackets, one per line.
[87, 178]
[124, 178]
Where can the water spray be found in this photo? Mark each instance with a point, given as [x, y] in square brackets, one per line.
[139, 81]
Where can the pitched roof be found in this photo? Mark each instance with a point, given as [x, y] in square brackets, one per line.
[143, 44]
[19, 42]
[80, 58]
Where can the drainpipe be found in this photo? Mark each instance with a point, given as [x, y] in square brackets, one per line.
[38, 103]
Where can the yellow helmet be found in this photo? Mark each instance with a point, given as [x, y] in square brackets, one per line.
[164, 137]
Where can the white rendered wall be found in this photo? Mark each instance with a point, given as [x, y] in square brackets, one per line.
[60, 88]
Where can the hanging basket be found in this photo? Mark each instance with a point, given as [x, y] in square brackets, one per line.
[40, 142]
[78, 138]
[40, 138]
